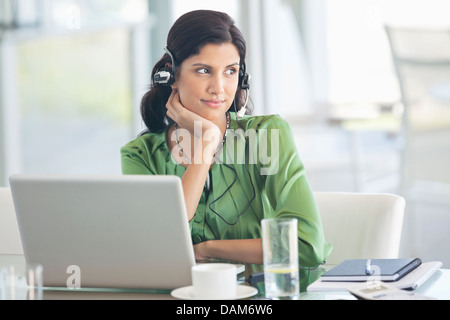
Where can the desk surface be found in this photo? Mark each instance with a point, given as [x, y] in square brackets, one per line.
[438, 286]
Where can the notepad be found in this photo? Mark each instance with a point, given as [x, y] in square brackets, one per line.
[381, 269]
[411, 281]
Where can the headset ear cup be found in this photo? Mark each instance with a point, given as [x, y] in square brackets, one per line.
[164, 77]
[244, 79]
[241, 77]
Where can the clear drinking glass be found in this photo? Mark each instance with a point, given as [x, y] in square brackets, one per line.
[280, 251]
[35, 281]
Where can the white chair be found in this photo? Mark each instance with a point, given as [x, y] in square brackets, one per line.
[421, 57]
[10, 242]
[361, 225]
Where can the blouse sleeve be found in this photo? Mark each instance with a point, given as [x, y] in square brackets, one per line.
[289, 192]
[133, 160]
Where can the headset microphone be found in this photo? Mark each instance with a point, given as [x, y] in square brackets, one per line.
[241, 112]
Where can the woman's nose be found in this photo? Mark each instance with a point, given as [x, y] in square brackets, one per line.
[216, 86]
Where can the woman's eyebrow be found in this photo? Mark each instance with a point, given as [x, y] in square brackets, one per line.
[208, 66]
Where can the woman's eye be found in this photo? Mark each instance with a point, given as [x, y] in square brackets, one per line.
[230, 71]
[202, 70]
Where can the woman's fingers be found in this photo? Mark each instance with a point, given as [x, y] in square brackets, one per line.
[172, 106]
[185, 117]
[179, 113]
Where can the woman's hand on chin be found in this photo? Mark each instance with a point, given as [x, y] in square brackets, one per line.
[185, 118]
[198, 127]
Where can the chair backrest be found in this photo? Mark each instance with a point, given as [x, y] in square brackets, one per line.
[422, 63]
[10, 241]
[421, 58]
[361, 225]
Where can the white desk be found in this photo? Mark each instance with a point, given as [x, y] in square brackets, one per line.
[438, 286]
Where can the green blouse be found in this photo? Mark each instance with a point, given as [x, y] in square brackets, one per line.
[269, 171]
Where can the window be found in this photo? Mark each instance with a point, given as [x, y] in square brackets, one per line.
[75, 102]
[74, 83]
[359, 58]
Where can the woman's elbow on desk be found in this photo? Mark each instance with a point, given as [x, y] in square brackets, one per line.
[239, 250]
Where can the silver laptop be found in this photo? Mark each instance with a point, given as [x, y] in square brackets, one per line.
[124, 231]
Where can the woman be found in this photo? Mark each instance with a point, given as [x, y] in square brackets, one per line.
[235, 169]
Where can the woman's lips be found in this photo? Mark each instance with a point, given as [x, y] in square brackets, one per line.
[213, 103]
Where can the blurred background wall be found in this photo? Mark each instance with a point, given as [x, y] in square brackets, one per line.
[72, 73]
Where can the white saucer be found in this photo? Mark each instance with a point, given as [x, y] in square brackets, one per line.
[186, 293]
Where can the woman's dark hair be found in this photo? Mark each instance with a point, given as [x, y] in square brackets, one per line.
[188, 35]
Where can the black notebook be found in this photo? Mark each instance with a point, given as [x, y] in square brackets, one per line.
[366, 269]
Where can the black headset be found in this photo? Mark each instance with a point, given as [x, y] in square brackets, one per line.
[166, 76]
[244, 78]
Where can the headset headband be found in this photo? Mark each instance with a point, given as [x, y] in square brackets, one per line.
[171, 58]
[166, 76]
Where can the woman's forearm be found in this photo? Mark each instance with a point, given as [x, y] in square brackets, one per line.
[239, 250]
[193, 182]
[195, 176]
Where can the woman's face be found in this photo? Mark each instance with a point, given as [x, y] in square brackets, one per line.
[207, 82]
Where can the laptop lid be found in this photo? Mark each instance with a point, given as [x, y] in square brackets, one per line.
[124, 231]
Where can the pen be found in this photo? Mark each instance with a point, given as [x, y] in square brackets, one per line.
[369, 271]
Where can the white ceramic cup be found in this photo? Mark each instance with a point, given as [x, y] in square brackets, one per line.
[214, 281]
